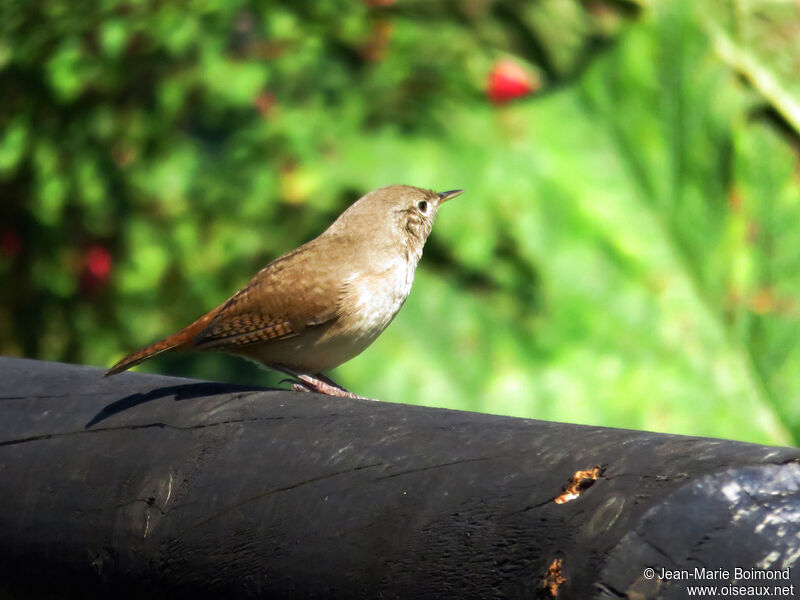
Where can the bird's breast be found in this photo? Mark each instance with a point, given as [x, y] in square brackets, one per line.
[370, 300]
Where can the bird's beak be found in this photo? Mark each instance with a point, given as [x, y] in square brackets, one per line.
[445, 196]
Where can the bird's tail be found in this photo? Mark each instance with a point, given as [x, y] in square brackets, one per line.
[177, 341]
[170, 343]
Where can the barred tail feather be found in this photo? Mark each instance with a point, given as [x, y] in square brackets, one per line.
[142, 355]
[177, 341]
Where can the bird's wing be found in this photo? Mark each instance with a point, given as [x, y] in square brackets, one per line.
[280, 302]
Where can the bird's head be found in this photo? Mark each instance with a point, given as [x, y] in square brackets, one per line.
[405, 213]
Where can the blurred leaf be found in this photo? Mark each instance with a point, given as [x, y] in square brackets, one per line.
[113, 35]
[64, 71]
[13, 142]
[761, 40]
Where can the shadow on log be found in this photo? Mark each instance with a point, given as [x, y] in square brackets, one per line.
[150, 486]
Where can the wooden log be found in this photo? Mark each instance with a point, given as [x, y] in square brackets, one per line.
[149, 486]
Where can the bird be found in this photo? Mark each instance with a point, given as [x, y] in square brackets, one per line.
[325, 302]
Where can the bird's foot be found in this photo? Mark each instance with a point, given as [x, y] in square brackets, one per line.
[319, 384]
[308, 383]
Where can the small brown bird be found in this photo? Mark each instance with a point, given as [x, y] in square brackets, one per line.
[322, 304]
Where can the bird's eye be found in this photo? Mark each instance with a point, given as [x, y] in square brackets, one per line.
[422, 206]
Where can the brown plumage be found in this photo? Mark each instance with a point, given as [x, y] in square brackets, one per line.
[323, 303]
[177, 341]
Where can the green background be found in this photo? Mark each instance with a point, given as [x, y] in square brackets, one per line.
[626, 253]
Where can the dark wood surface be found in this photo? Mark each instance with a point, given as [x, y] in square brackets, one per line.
[150, 486]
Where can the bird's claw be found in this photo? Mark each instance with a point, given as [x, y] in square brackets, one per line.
[319, 383]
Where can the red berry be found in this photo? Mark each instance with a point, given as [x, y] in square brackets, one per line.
[509, 80]
[98, 261]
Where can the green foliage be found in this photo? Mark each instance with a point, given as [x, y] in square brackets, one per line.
[624, 254]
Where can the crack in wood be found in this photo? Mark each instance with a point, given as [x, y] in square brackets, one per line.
[284, 488]
[48, 436]
[438, 466]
